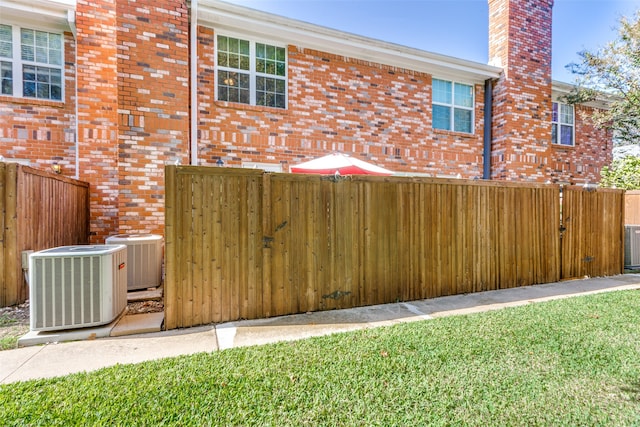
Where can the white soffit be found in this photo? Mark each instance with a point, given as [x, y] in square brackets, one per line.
[222, 16]
[54, 14]
[559, 89]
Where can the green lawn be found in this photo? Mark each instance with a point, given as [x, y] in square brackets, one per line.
[10, 331]
[573, 362]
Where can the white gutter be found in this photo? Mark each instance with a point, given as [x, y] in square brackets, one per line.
[71, 18]
[193, 137]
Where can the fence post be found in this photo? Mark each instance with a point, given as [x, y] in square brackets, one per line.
[11, 283]
[170, 256]
[3, 255]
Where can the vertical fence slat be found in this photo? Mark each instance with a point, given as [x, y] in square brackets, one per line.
[253, 296]
[207, 255]
[267, 242]
[185, 256]
[217, 245]
[3, 256]
[199, 234]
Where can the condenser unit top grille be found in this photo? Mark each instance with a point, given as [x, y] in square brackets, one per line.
[135, 238]
[80, 250]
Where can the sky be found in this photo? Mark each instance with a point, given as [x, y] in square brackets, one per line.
[456, 28]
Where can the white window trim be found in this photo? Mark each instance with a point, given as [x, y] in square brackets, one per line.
[558, 140]
[452, 106]
[252, 68]
[17, 62]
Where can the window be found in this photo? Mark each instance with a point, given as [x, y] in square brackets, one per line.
[452, 106]
[6, 57]
[31, 63]
[562, 121]
[251, 73]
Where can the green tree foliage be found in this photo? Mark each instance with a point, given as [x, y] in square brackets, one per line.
[623, 173]
[612, 73]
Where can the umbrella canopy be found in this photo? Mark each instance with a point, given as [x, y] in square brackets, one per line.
[339, 163]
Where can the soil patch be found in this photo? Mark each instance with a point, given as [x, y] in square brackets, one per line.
[14, 320]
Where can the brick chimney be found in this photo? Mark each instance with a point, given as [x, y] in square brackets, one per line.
[520, 43]
[133, 108]
[97, 104]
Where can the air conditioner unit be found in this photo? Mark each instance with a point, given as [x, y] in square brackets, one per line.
[77, 286]
[632, 245]
[144, 259]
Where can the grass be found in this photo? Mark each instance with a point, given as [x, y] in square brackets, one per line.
[9, 343]
[10, 340]
[6, 320]
[567, 362]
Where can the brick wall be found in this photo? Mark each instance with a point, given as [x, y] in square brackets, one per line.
[41, 131]
[153, 107]
[582, 163]
[520, 41]
[377, 112]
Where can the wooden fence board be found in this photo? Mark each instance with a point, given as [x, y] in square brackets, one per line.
[5, 298]
[210, 207]
[215, 241]
[253, 300]
[274, 244]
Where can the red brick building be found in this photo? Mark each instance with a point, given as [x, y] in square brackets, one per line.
[110, 91]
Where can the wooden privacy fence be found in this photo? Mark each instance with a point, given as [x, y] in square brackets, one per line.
[247, 244]
[38, 210]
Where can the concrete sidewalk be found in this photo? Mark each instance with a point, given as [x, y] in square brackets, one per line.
[51, 360]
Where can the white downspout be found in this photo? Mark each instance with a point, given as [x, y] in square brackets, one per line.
[194, 83]
[71, 19]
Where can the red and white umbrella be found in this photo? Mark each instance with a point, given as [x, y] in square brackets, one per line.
[339, 163]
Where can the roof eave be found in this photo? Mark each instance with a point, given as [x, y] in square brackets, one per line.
[602, 102]
[224, 16]
[48, 13]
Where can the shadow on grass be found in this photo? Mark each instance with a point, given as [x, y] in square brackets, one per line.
[633, 391]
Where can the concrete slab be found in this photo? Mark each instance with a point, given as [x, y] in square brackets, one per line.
[54, 360]
[138, 324]
[13, 360]
[145, 295]
[493, 300]
[44, 337]
[300, 326]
